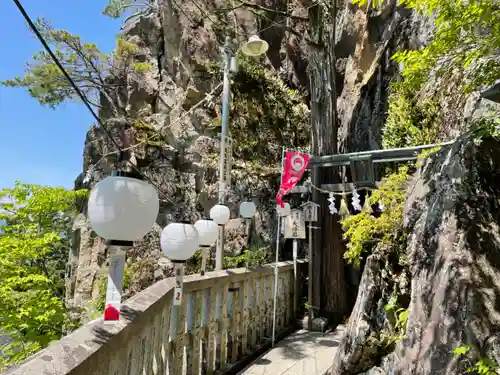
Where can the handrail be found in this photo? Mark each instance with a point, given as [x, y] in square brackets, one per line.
[95, 343]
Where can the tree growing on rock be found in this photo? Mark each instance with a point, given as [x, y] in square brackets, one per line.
[101, 77]
[35, 232]
[117, 8]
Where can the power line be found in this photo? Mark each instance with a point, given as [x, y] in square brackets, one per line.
[80, 94]
[86, 101]
[61, 68]
[209, 95]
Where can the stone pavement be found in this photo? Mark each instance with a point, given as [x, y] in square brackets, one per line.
[302, 353]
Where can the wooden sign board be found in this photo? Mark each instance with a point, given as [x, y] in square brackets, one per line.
[295, 225]
[310, 211]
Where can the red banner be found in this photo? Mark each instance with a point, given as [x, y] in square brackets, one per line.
[295, 165]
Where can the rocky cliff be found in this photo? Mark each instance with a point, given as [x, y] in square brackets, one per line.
[449, 286]
[175, 109]
[178, 104]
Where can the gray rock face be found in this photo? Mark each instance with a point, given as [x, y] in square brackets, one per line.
[181, 155]
[453, 217]
[366, 41]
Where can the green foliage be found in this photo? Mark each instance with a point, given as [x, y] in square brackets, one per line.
[147, 133]
[365, 232]
[397, 315]
[395, 330]
[117, 8]
[99, 304]
[265, 114]
[249, 258]
[410, 122]
[483, 365]
[487, 127]
[89, 68]
[461, 350]
[36, 223]
[467, 32]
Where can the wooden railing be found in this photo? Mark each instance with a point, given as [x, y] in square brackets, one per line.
[225, 318]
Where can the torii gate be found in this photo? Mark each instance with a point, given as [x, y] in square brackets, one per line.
[363, 176]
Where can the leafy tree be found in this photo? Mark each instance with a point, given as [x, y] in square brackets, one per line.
[35, 227]
[117, 8]
[467, 32]
[99, 76]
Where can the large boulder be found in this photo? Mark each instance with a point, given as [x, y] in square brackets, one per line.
[452, 215]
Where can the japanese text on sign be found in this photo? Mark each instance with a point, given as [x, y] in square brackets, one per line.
[295, 226]
[310, 211]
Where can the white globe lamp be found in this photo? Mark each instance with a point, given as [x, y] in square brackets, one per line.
[283, 211]
[121, 208]
[255, 46]
[220, 214]
[179, 242]
[207, 231]
[247, 210]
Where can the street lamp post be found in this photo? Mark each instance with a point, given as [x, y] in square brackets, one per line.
[207, 230]
[122, 208]
[254, 47]
[179, 242]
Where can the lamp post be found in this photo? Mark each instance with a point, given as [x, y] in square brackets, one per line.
[247, 211]
[220, 214]
[281, 212]
[179, 242]
[254, 47]
[122, 208]
[207, 230]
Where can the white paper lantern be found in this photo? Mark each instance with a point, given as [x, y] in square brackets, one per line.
[207, 231]
[179, 241]
[283, 211]
[220, 214]
[123, 208]
[247, 209]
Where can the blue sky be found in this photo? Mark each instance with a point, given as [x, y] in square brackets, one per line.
[40, 145]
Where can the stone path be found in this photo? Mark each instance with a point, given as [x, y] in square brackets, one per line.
[302, 353]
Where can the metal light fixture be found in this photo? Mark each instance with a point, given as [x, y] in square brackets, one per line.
[179, 242]
[121, 209]
[255, 46]
[207, 231]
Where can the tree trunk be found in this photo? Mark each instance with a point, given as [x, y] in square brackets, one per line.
[328, 247]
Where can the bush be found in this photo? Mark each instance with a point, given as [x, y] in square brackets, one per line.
[410, 122]
[365, 232]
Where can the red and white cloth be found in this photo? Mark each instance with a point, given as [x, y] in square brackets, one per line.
[294, 167]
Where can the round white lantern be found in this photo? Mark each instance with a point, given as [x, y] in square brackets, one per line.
[283, 211]
[123, 207]
[220, 214]
[179, 241]
[247, 209]
[207, 231]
